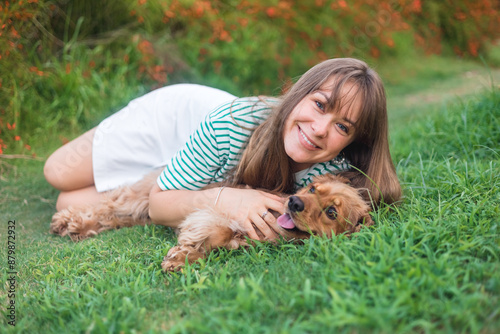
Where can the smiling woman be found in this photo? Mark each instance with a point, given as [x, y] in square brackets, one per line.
[333, 120]
[343, 95]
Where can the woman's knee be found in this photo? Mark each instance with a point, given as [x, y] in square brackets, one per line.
[70, 166]
[54, 171]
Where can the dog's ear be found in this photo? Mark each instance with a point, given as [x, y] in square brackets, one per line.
[342, 179]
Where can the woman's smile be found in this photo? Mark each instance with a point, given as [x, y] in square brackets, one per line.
[304, 140]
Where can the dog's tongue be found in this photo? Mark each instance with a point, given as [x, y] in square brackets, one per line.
[286, 221]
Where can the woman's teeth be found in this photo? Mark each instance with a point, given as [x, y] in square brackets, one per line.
[305, 138]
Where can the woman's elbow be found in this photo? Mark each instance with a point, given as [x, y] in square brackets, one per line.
[154, 209]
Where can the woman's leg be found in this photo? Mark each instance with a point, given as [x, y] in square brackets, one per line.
[76, 198]
[69, 169]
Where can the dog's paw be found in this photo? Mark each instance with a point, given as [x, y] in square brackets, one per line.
[75, 224]
[59, 224]
[176, 257]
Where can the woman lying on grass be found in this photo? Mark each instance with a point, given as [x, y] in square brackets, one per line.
[333, 120]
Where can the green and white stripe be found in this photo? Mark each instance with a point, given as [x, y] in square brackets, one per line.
[215, 148]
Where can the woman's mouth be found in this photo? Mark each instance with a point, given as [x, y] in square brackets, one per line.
[306, 141]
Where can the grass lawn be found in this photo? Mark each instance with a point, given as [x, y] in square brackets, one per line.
[431, 265]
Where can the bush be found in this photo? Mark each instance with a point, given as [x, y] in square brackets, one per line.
[51, 49]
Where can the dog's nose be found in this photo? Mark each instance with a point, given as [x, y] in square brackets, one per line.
[295, 204]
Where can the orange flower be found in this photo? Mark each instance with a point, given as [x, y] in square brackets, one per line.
[271, 12]
[224, 36]
[199, 11]
[34, 69]
[474, 47]
[417, 6]
[460, 16]
[11, 126]
[17, 138]
[375, 52]
[243, 21]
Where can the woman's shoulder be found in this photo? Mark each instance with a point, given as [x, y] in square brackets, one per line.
[245, 108]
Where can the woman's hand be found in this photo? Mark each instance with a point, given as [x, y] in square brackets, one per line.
[251, 208]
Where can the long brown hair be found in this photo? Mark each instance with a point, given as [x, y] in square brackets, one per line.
[265, 164]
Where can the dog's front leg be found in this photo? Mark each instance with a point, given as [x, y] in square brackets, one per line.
[203, 231]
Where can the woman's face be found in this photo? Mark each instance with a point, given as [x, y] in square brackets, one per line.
[313, 134]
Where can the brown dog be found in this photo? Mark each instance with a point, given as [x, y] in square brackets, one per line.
[328, 206]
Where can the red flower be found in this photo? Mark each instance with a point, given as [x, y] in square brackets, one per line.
[271, 12]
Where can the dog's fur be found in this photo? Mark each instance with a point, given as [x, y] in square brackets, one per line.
[327, 206]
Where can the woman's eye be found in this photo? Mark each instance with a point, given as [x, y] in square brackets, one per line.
[320, 105]
[312, 190]
[343, 128]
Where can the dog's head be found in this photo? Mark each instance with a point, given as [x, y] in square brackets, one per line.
[326, 206]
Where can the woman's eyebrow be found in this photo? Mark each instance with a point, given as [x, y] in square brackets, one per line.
[324, 95]
[353, 124]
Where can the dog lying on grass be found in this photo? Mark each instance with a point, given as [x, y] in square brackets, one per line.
[328, 206]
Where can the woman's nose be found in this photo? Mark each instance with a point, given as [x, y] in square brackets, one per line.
[320, 128]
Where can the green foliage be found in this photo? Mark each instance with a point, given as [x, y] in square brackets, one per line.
[59, 47]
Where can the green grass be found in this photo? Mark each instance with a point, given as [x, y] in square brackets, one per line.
[431, 265]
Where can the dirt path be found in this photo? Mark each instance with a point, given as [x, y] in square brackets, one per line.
[404, 107]
[470, 82]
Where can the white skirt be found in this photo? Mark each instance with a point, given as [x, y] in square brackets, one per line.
[148, 132]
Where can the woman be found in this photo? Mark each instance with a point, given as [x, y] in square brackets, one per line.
[333, 120]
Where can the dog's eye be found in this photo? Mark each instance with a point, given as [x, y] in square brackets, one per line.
[312, 189]
[331, 212]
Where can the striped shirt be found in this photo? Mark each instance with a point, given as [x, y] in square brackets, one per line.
[215, 148]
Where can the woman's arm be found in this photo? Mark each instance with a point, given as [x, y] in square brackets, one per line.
[247, 206]
[171, 207]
